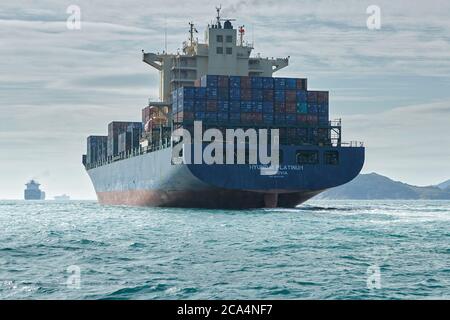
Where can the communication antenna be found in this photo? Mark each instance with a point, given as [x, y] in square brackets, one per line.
[165, 34]
[218, 16]
[241, 35]
[192, 30]
[253, 36]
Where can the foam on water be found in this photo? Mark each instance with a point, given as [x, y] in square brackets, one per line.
[321, 250]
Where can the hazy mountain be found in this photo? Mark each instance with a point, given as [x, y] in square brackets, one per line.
[375, 186]
[444, 185]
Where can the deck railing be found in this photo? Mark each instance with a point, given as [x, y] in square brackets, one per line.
[333, 141]
[352, 144]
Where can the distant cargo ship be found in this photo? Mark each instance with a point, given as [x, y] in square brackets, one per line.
[63, 197]
[32, 192]
[219, 83]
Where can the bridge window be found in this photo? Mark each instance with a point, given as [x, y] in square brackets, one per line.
[219, 50]
[219, 38]
[332, 157]
[229, 39]
[307, 157]
[229, 50]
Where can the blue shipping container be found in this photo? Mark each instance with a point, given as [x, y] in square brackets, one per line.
[185, 105]
[235, 82]
[267, 107]
[209, 81]
[322, 108]
[223, 94]
[186, 93]
[174, 96]
[257, 94]
[246, 106]
[291, 84]
[200, 115]
[257, 82]
[235, 94]
[267, 83]
[257, 106]
[280, 118]
[174, 107]
[323, 119]
[200, 93]
[222, 117]
[302, 96]
[211, 117]
[212, 93]
[235, 106]
[200, 105]
[223, 106]
[268, 118]
[291, 118]
[235, 118]
[312, 108]
[280, 83]
[280, 95]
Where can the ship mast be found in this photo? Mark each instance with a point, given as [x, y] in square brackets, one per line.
[192, 30]
[241, 35]
[219, 26]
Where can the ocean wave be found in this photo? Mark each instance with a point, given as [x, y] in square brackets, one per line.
[320, 250]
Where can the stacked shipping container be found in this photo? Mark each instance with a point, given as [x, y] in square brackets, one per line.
[123, 136]
[223, 102]
[257, 102]
[96, 149]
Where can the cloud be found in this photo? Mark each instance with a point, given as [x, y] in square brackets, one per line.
[409, 143]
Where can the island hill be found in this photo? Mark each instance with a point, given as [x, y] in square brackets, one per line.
[444, 185]
[374, 186]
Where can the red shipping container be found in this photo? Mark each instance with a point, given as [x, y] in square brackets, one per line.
[312, 96]
[302, 119]
[313, 120]
[246, 83]
[246, 118]
[291, 107]
[302, 84]
[223, 81]
[268, 95]
[185, 116]
[322, 96]
[211, 105]
[257, 117]
[246, 94]
[291, 96]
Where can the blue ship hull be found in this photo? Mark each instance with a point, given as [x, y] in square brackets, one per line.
[152, 180]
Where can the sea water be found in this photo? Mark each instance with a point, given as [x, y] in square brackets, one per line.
[321, 250]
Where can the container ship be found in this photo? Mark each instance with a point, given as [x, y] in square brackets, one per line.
[33, 192]
[63, 197]
[220, 83]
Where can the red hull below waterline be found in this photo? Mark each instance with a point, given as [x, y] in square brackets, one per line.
[215, 199]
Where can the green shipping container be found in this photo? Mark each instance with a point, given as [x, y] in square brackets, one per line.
[302, 107]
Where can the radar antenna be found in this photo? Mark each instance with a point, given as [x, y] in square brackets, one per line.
[218, 9]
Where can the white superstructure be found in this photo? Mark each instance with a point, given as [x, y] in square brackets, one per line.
[222, 53]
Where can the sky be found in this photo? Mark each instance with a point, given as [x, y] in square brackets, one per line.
[390, 86]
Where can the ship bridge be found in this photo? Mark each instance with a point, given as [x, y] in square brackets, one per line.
[223, 52]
